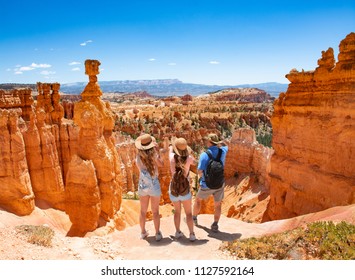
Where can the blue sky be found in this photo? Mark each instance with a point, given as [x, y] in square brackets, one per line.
[220, 42]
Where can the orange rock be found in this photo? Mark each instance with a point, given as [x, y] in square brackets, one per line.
[313, 129]
[82, 195]
[45, 170]
[16, 189]
[95, 120]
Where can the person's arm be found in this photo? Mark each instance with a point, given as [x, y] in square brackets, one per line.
[159, 161]
[222, 144]
[193, 165]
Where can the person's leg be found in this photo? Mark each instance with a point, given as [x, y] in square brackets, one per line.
[196, 209]
[188, 212]
[177, 215]
[155, 200]
[144, 202]
[218, 197]
[217, 211]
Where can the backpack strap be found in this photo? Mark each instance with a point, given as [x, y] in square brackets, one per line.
[219, 155]
[218, 158]
[208, 152]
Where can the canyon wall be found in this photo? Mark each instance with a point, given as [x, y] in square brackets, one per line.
[55, 162]
[246, 155]
[313, 123]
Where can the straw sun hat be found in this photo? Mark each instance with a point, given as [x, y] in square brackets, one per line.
[145, 142]
[180, 146]
[213, 138]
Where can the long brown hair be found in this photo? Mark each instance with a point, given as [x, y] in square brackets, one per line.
[147, 158]
[180, 161]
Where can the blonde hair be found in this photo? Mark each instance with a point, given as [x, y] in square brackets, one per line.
[147, 158]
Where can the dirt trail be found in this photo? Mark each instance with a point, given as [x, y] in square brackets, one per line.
[127, 245]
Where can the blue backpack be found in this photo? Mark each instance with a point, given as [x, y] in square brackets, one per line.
[214, 174]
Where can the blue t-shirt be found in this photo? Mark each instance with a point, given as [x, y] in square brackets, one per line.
[204, 159]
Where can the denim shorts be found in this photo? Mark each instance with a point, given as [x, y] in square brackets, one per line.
[180, 197]
[148, 185]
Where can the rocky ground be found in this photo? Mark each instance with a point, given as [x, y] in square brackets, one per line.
[126, 245]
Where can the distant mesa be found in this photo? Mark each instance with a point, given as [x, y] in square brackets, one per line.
[159, 87]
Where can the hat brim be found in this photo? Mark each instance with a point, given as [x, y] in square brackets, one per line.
[139, 145]
[214, 142]
[178, 152]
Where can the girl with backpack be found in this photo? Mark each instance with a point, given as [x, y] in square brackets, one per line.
[179, 190]
[148, 159]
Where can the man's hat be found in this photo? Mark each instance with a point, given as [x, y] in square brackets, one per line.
[213, 138]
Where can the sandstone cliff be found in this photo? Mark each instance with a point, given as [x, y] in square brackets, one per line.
[95, 121]
[313, 137]
[16, 189]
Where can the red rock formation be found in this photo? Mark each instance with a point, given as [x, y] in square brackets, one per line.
[96, 122]
[10, 99]
[313, 137]
[41, 142]
[251, 95]
[164, 172]
[43, 161]
[68, 142]
[68, 109]
[16, 190]
[129, 174]
[58, 111]
[82, 194]
[246, 155]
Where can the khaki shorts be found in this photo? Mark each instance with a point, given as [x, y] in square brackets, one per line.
[218, 194]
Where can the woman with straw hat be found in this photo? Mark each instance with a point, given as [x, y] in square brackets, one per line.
[180, 161]
[148, 160]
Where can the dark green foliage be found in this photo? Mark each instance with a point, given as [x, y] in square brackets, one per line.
[319, 240]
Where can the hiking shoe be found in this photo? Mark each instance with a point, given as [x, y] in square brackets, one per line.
[192, 237]
[158, 236]
[194, 218]
[144, 235]
[214, 227]
[178, 234]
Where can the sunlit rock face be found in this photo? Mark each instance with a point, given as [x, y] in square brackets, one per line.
[95, 121]
[313, 166]
[16, 189]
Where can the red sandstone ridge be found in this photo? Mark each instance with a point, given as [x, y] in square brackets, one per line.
[313, 166]
[251, 95]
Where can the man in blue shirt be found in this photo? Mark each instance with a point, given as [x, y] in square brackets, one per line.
[213, 144]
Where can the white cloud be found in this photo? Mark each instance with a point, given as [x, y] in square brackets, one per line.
[76, 69]
[152, 59]
[172, 64]
[44, 65]
[214, 62]
[85, 43]
[74, 63]
[26, 68]
[8, 69]
[18, 72]
[19, 69]
[45, 72]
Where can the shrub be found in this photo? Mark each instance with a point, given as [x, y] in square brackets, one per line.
[320, 240]
[39, 235]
